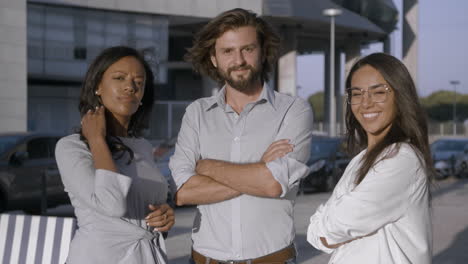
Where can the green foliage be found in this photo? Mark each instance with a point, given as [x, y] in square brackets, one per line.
[316, 101]
[439, 106]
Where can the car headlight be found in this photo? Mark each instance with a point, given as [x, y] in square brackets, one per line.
[316, 166]
[441, 165]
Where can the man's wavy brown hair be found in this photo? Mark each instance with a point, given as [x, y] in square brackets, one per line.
[205, 39]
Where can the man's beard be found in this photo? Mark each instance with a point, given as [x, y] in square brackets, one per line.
[242, 84]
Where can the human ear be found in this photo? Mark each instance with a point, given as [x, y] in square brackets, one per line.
[213, 61]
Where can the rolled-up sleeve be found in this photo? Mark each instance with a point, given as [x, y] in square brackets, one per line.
[297, 127]
[187, 151]
[381, 198]
[313, 234]
[102, 190]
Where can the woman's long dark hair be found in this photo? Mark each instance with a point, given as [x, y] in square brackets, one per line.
[410, 124]
[89, 100]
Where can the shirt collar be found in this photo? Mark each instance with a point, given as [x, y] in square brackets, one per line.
[267, 95]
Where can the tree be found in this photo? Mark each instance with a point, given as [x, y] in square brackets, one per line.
[439, 106]
[316, 101]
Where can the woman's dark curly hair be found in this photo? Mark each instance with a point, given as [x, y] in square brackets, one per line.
[410, 124]
[89, 100]
[204, 42]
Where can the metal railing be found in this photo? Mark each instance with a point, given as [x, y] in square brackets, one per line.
[167, 118]
[436, 129]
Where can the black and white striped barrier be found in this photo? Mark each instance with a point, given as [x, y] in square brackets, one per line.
[35, 239]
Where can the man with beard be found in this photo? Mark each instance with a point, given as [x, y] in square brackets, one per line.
[240, 154]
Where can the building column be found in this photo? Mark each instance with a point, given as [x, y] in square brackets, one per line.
[287, 63]
[410, 37]
[387, 45]
[13, 67]
[338, 92]
[352, 54]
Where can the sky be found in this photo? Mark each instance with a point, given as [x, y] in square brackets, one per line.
[442, 56]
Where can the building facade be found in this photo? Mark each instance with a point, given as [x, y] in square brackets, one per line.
[47, 45]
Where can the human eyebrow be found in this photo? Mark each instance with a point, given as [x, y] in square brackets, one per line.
[226, 49]
[352, 88]
[378, 85]
[119, 72]
[252, 46]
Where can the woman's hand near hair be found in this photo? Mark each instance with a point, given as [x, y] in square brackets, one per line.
[93, 124]
[93, 128]
[161, 217]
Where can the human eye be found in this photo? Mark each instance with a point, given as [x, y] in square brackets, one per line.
[140, 83]
[249, 49]
[379, 90]
[119, 77]
[227, 51]
[355, 92]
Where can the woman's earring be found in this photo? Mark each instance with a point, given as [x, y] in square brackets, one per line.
[96, 92]
[141, 103]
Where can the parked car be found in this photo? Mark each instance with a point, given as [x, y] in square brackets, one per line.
[327, 163]
[461, 164]
[29, 177]
[162, 153]
[444, 153]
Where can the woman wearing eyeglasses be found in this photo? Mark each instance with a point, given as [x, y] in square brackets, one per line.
[379, 211]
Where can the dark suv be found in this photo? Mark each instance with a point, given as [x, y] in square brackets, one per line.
[29, 178]
[327, 162]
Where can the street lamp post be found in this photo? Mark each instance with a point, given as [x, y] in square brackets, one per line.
[454, 83]
[332, 13]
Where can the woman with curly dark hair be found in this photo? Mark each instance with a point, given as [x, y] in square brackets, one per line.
[108, 170]
[380, 211]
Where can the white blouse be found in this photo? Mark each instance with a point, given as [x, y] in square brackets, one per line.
[387, 216]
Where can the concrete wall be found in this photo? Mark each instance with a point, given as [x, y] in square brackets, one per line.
[192, 8]
[410, 37]
[13, 82]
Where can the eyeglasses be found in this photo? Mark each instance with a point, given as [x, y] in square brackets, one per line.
[377, 94]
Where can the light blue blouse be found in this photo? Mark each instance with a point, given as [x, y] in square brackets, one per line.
[110, 207]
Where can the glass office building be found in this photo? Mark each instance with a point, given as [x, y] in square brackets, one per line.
[62, 41]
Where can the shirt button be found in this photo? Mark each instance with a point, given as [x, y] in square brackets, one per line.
[236, 139]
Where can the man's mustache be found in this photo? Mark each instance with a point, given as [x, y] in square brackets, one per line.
[240, 67]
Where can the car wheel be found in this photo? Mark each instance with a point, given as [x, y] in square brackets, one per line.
[333, 179]
[463, 170]
[2, 206]
[329, 183]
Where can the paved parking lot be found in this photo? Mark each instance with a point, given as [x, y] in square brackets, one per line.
[450, 219]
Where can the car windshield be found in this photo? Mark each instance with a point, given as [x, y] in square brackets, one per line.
[323, 147]
[449, 145]
[7, 141]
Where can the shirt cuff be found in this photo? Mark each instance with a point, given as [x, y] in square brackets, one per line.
[182, 176]
[315, 231]
[287, 172]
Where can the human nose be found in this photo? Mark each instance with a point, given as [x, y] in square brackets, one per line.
[239, 58]
[130, 86]
[366, 98]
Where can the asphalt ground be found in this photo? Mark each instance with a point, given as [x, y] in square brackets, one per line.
[450, 220]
